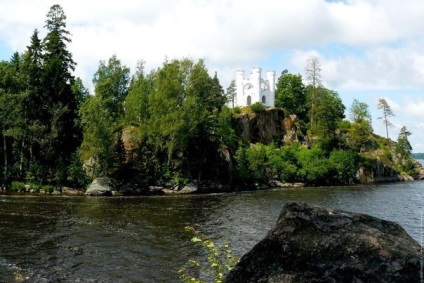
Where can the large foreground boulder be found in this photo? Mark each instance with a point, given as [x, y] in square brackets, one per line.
[317, 244]
[101, 186]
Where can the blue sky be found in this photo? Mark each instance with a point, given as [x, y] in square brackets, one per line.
[368, 49]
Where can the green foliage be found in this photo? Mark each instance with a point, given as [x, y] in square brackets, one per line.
[257, 107]
[315, 168]
[17, 186]
[35, 186]
[231, 93]
[403, 148]
[344, 164]
[137, 101]
[326, 113]
[237, 110]
[102, 117]
[291, 94]
[226, 128]
[220, 260]
[360, 134]
[184, 118]
[47, 188]
[242, 169]
[76, 174]
[359, 112]
[257, 161]
[111, 84]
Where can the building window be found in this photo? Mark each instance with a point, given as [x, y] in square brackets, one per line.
[263, 99]
[249, 100]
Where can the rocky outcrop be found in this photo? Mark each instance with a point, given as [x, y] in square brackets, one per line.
[316, 244]
[267, 126]
[378, 172]
[102, 186]
[187, 189]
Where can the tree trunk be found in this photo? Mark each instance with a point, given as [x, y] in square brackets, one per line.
[5, 157]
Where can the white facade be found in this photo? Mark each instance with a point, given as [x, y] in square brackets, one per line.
[255, 89]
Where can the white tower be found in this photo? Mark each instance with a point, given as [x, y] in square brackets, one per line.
[255, 89]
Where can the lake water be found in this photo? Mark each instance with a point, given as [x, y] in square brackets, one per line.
[142, 239]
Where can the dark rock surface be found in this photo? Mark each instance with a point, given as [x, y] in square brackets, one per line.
[263, 127]
[316, 244]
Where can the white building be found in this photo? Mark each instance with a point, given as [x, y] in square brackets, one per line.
[255, 89]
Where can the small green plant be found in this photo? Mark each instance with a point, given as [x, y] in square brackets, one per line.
[35, 186]
[257, 107]
[220, 259]
[17, 186]
[47, 188]
[237, 110]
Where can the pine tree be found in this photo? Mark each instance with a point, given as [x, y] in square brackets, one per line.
[62, 106]
[387, 113]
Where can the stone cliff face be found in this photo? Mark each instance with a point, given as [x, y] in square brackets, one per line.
[378, 173]
[267, 126]
[317, 244]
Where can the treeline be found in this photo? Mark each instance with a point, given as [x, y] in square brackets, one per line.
[168, 126]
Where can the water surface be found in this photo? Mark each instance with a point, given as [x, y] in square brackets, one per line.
[142, 239]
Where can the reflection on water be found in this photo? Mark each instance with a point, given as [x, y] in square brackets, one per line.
[142, 239]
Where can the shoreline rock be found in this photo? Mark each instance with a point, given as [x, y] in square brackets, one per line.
[102, 186]
[316, 244]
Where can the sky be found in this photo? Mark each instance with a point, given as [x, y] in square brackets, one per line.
[367, 49]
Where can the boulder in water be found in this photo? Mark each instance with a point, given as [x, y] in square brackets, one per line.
[317, 244]
[102, 186]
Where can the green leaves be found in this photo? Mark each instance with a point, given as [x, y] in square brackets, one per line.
[291, 94]
[183, 116]
[220, 259]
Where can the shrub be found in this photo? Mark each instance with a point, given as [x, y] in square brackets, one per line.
[35, 186]
[221, 259]
[237, 110]
[315, 167]
[345, 165]
[17, 186]
[257, 161]
[257, 107]
[47, 188]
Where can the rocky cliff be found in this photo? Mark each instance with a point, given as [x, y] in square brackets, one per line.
[269, 125]
[317, 244]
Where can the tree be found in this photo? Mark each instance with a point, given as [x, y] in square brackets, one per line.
[102, 118]
[183, 108]
[231, 94]
[291, 94]
[137, 101]
[313, 76]
[387, 113]
[328, 112]
[60, 118]
[111, 83]
[12, 123]
[36, 106]
[359, 112]
[97, 148]
[360, 130]
[313, 72]
[403, 149]
[403, 144]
